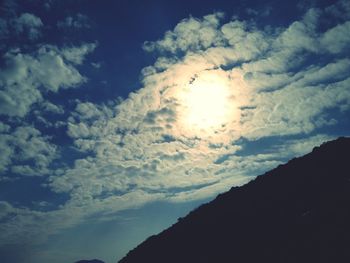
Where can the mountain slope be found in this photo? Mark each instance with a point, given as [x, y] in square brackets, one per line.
[90, 261]
[298, 212]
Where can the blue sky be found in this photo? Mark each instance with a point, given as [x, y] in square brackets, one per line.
[118, 117]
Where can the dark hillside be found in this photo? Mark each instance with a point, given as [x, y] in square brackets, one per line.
[90, 261]
[297, 212]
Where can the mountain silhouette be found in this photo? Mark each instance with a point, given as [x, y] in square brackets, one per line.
[89, 261]
[298, 212]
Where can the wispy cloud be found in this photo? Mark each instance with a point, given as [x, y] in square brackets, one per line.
[140, 145]
[280, 81]
[79, 21]
[34, 74]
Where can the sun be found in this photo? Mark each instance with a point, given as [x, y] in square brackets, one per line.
[206, 103]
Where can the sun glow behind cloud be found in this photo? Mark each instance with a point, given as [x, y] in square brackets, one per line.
[206, 103]
[188, 133]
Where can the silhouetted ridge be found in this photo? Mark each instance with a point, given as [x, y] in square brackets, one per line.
[90, 261]
[297, 212]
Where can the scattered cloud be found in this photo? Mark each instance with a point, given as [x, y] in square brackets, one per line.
[25, 151]
[142, 144]
[96, 65]
[339, 10]
[189, 34]
[50, 107]
[78, 21]
[276, 82]
[263, 12]
[77, 55]
[47, 69]
[28, 23]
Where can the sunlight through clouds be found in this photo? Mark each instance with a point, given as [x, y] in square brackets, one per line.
[207, 104]
[218, 85]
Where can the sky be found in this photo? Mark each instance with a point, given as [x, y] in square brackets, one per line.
[119, 117]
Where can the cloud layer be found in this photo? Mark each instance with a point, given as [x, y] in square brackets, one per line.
[283, 82]
[139, 145]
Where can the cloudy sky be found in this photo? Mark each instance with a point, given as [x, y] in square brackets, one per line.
[118, 117]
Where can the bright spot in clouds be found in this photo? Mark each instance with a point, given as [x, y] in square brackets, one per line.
[206, 102]
[225, 100]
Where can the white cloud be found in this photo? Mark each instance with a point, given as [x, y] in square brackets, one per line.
[78, 21]
[26, 144]
[189, 34]
[141, 143]
[96, 65]
[340, 9]
[263, 12]
[28, 23]
[50, 107]
[77, 55]
[26, 78]
[139, 150]
[5, 209]
[4, 127]
[336, 39]
[295, 148]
